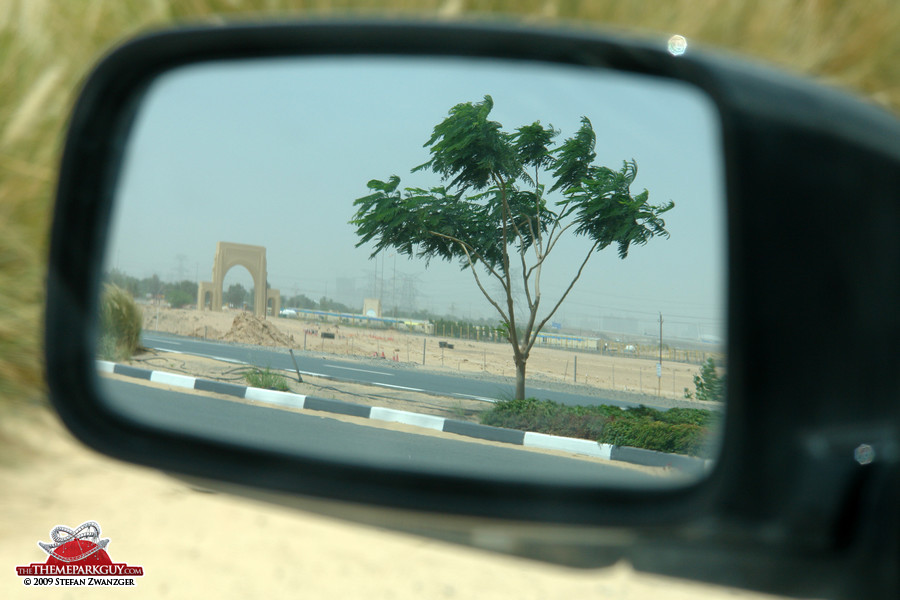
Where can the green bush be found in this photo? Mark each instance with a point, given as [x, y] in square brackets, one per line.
[687, 416]
[266, 379]
[120, 324]
[679, 430]
[682, 438]
[545, 416]
[710, 386]
[178, 298]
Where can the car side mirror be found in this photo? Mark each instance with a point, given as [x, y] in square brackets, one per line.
[796, 493]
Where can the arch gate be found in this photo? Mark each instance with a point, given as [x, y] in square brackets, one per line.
[252, 258]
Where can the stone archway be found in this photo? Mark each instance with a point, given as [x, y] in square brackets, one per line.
[252, 258]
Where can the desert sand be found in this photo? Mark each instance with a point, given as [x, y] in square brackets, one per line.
[592, 369]
[193, 543]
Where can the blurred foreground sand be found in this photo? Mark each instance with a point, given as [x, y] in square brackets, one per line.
[195, 544]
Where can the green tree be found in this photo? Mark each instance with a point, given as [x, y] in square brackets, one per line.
[492, 214]
[235, 295]
[709, 385]
[178, 298]
[150, 287]
[182, 293]
[300, 301]
[327, 304]
[122, 280]
[185, 285]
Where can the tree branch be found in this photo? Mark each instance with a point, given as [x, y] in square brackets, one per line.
[511, 321]
[508, 213]
[537, 214]
[553, 241]
[536, 236]
[559, 217]
[550, 246]
[525, 274]
[467, 248]
[528, 335]
[568, 289]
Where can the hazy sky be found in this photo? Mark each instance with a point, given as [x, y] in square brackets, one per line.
[274, 152]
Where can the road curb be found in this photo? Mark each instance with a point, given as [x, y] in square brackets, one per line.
[639, 456]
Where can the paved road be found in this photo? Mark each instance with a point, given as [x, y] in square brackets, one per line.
[400, 378]
[321, 437]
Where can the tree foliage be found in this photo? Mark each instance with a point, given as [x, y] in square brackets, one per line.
[236, 295]
[300, 301]
[327, 304]
[181, 293]
[178, 298]
[492, 214]
[709, 385]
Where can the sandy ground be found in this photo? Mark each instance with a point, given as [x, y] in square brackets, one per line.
[621, 373]
[207, 368]
[196, 544]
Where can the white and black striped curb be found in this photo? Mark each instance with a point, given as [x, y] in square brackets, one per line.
[530, 439]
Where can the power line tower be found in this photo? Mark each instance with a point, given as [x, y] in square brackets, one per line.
[181, 271]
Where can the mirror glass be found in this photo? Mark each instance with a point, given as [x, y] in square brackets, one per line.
[295, 242]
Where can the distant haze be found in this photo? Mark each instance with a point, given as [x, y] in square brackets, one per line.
[274, 152]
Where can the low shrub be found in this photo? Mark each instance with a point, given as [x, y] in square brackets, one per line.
[678, 430]
[120, 324]
[682, 438]
[266, 379]
[545, 417]
[688, 416]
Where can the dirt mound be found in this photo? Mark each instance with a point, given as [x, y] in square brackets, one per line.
[250, 329]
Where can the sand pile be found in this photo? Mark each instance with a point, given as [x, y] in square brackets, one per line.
[250, 329]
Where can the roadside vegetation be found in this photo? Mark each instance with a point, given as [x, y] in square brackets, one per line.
[709, 385]
[677, 431]
[266, 379]
[120, 324]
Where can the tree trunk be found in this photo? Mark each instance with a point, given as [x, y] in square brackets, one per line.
[520, 380]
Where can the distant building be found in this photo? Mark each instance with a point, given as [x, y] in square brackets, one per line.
[372, 307]
[425, 327]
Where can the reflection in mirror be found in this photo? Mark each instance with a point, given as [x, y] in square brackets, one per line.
[505, 270]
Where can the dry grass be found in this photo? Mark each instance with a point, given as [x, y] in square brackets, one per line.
[48, 45]
[120, 324]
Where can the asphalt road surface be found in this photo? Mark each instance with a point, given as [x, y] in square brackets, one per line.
[398, 378]
[322, 437]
